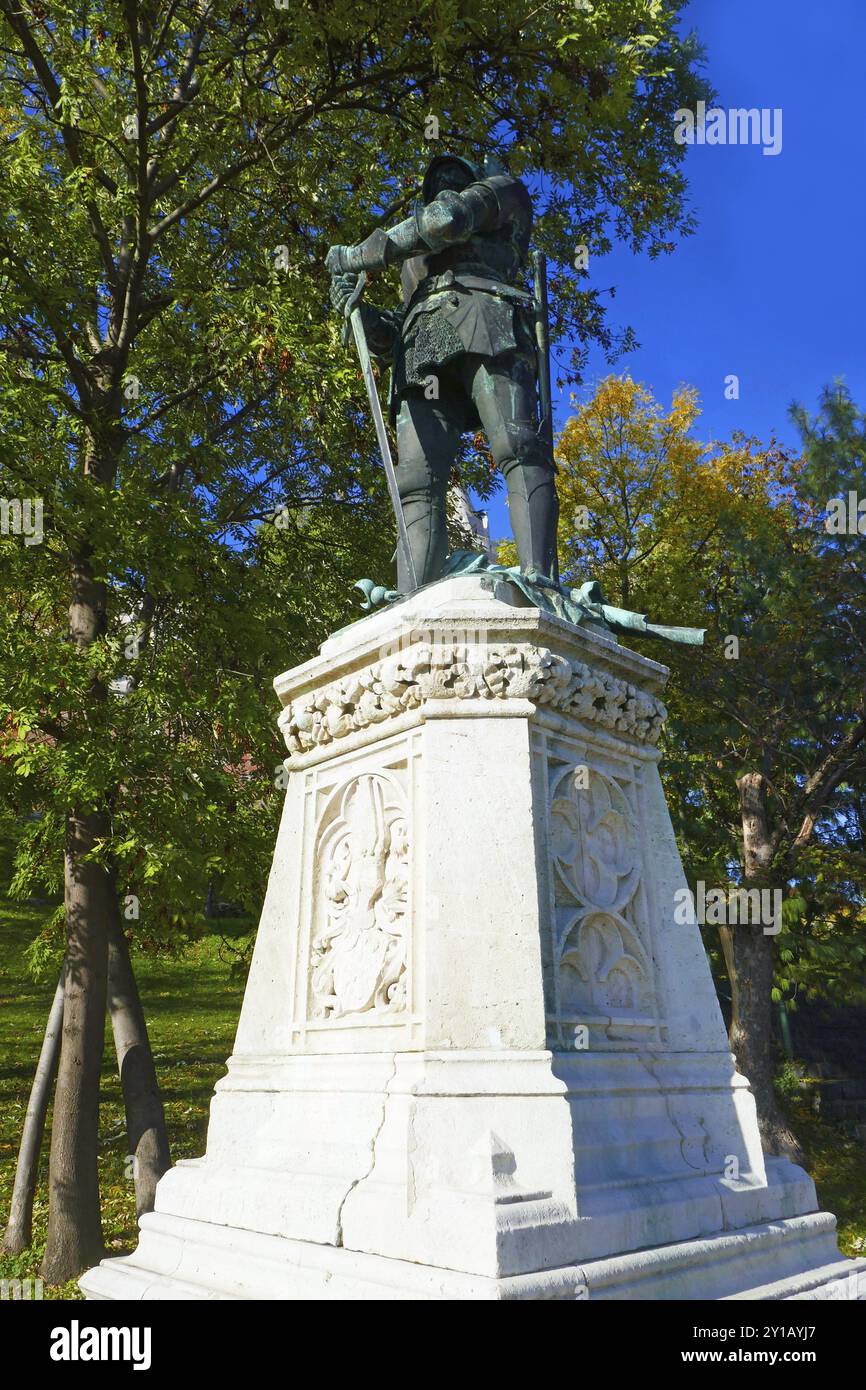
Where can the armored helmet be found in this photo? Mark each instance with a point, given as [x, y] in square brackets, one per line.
[490, 164]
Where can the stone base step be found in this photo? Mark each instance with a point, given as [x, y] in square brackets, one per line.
[179, 1259]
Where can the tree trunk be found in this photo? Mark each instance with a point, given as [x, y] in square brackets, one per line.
[19, 1229]
[750, 959]
[74, 1220]
[145, 1118]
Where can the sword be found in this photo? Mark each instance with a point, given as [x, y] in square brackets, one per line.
[542, 347]
[353, 318]
[542, 357]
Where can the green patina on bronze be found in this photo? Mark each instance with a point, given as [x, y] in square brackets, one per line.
[581, 606]
[469, 324]
[463, 355]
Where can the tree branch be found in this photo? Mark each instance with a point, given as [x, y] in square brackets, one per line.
[825, 780]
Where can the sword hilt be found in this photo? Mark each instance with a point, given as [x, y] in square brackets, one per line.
[352, 303]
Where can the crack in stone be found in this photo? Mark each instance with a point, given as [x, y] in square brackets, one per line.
[648, 1062]
[649, 1066]
[373, 1142]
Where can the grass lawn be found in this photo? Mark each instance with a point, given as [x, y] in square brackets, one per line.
[192, 1005]
[837, 1164]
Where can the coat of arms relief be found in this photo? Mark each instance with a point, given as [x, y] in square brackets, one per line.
[359, 946]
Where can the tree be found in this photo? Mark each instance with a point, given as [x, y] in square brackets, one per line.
[766, 739]
[170, 379]
[19, 1228]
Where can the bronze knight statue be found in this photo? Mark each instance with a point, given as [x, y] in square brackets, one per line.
[463, 355]
[468, 348]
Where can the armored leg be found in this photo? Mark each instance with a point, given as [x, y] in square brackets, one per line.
[427, 441]
[503, 390]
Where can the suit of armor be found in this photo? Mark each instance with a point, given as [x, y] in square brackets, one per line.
[462, 354]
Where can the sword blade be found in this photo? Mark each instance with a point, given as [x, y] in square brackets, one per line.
[542, 347]
[382, 437]
[545, 400]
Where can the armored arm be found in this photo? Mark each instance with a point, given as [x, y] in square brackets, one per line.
[450, 218]
[382, 328]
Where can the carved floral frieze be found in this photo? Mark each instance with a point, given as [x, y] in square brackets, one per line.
[403, 682]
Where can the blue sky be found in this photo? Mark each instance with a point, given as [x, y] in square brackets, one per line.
[772, 285]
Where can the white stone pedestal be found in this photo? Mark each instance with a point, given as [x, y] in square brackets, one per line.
[477, 1056]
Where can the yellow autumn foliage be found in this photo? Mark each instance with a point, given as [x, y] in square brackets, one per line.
[643, 500]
